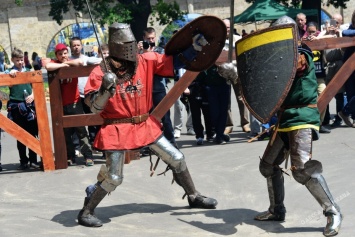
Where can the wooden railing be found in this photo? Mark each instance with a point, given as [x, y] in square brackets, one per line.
[60, 121]
[344, 72]
[43, 145]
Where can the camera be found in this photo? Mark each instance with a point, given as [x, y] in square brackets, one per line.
[333, 23]
[146, 45]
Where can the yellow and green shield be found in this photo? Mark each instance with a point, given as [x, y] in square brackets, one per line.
[267, 63]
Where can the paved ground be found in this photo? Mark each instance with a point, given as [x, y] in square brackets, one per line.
[36, 203]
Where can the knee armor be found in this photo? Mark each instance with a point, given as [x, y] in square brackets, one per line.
[267, 170]
[312, 169]
[169, 154]
[111, 175]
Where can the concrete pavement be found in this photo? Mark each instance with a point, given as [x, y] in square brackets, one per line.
[35, 203]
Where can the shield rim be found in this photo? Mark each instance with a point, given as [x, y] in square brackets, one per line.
[216, 42]
[290, 80]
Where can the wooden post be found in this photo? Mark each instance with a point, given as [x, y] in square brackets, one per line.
[60, 148]
[59, 121]
[342, 75]
[173, 94]
[336, 83]
[43, 146]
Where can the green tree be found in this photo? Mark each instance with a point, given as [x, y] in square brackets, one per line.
[134, 12]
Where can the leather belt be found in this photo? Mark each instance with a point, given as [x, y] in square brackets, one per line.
[133, 120]
[283, 108]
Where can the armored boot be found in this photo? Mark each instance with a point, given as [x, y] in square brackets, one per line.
[195, 199]
[277, 210]
[320, 191]
[86, 216]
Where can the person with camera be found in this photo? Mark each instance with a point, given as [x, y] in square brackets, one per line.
[148, 42]
[159, 84]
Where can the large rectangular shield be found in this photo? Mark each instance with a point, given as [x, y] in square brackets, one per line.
[267, 64]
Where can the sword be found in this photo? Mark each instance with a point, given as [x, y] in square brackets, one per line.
[97, 38]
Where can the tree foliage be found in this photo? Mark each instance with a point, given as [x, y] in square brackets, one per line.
[19, 2]
[134, 12]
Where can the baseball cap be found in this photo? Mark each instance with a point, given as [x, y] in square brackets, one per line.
[60, 47]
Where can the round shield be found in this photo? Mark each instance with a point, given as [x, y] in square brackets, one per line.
[212, 28]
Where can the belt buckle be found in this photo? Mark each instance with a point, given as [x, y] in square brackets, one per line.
[136, 119]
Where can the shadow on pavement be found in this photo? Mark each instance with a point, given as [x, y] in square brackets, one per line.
[233, 217]
[68, 218]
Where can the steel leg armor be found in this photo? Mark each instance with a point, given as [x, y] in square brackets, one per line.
[176, 161]
[169, 154]
[308, 172]
[320, 191]
[305, 171]
[269, 167]
[110, 176]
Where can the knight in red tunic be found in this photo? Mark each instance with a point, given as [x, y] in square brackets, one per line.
[120, 89]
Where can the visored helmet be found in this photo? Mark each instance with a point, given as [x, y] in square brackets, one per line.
[121, 41]
[284, 20]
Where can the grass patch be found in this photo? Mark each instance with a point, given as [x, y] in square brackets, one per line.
[5, 89]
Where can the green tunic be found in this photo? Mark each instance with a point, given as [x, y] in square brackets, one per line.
[303, 92]
[16, 91]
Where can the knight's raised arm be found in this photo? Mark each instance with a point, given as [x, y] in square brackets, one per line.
[97, 100]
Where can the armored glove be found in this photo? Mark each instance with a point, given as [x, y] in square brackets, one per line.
[198, 41]
[98, 100]
[228, 71]
[109, 83]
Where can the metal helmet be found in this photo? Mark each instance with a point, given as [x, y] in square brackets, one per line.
[121, 42]
[284, 20]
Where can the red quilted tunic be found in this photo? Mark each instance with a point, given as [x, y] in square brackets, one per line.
[126, 104]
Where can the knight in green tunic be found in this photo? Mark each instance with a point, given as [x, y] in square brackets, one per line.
[297, 127]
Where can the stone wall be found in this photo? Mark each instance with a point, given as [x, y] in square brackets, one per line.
[31, 29]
